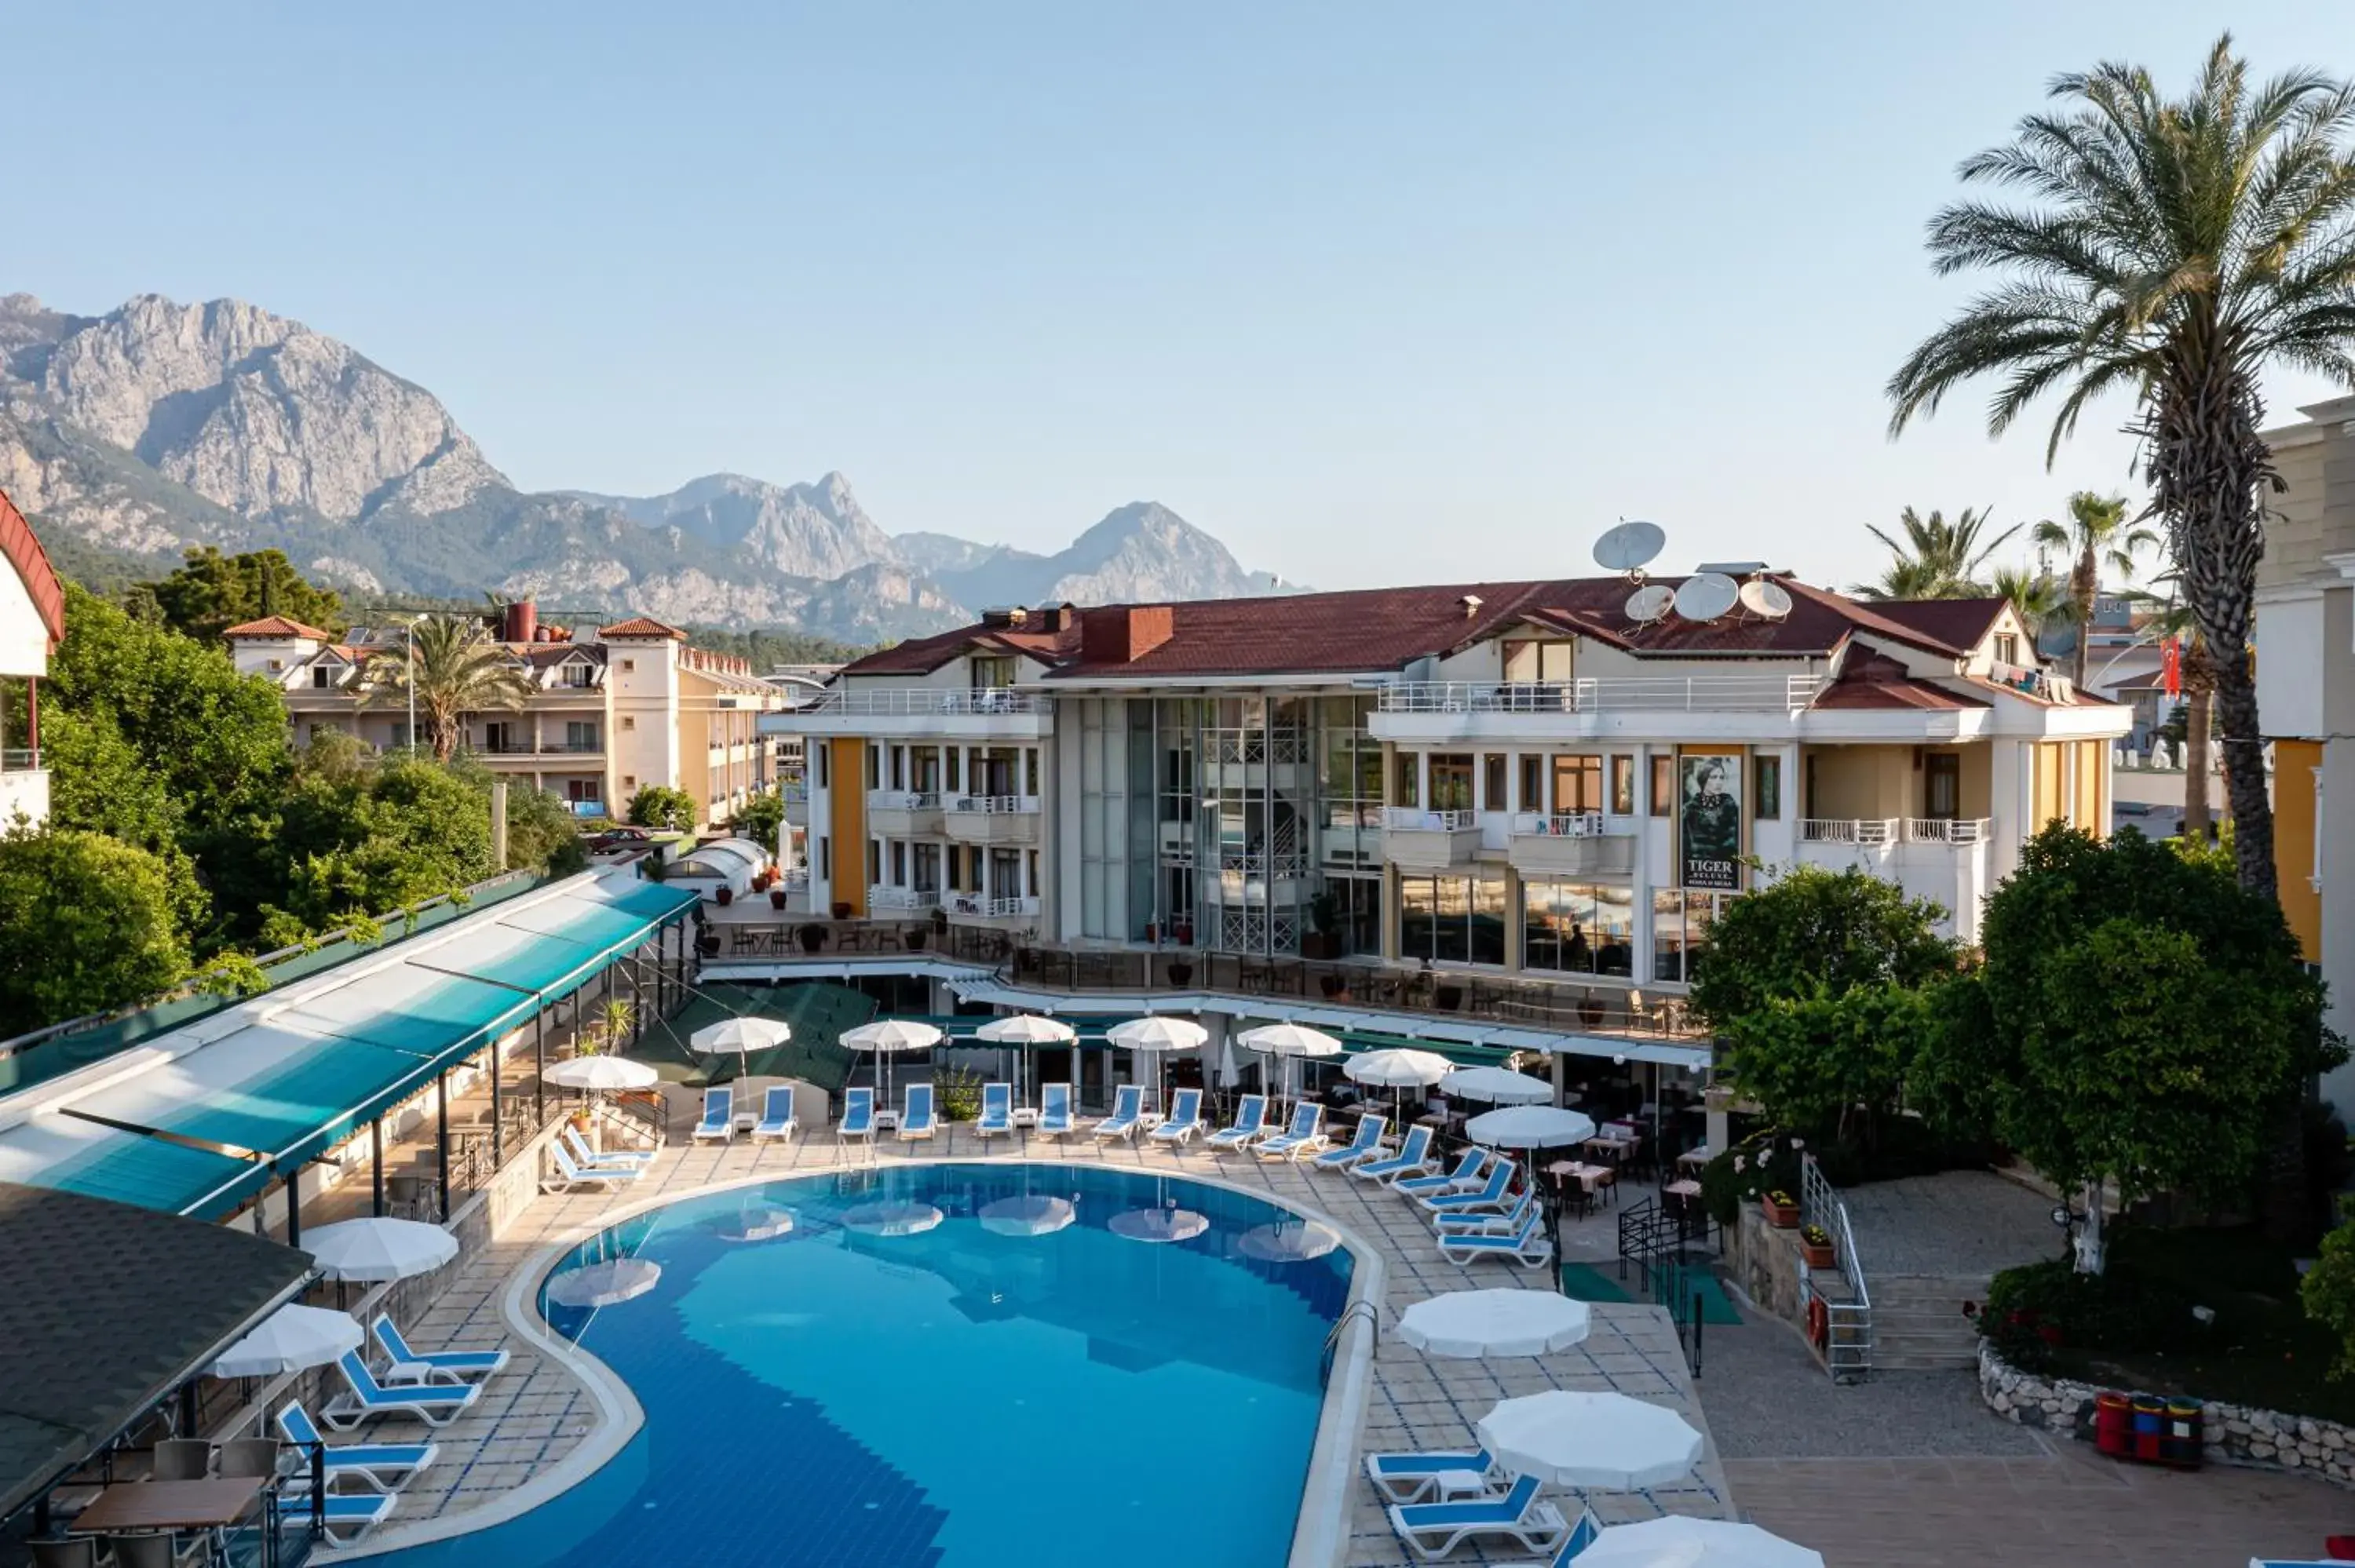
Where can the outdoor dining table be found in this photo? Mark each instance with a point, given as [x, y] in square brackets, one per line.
[1612, 1144]
[128, 1507]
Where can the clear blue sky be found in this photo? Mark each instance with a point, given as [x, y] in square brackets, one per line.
[1376, 292]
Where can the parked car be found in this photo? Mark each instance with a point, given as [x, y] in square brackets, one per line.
[612, 839]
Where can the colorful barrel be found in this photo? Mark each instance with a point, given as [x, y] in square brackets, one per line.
[2113, 1423]
[2187, 1438]
[2149, 1427]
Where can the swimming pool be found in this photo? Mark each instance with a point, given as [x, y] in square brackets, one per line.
[944, 1366]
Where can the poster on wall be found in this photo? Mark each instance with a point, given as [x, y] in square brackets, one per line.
[1709, 820]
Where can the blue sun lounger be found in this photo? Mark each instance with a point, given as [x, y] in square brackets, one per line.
[777, 1118]
[1304, 1136]
[1411, 1160]
[1184, 1120]
[1493, 1195]
[1466, 1174]
[1410, 1477]
[1488, 1224]
[997, 1118]
[1250, 1122]
[916, 1119]
[437, 1405]
[348, 1516]
[405, 1365]
[1054, 1110]
[718, 1116]
[1362, 1146]
[858, 1115]
[1527, 1246]
[383, 1467]
[1127, 1114]
[1435, 1529]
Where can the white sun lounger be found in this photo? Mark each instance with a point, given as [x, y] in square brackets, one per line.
[1184, 1120]
[437, 1405]
[1527, 1246]
[1412, 1478]
[1304, 1136]
[996, 1111]
[1467, 1174]
[777, 1118]
[1411, 1160]
[917, 1120]
[1362, 1146]
[1494, 1197]
[403, 1364]
[1054, 1110]
[381, 1467]
[718, 1116]
[1127, 1111]
[1487, 1224]
[858, 1115]
[1433, 1530]
[590, 1159]
[1250, 1122]
[570, 1172]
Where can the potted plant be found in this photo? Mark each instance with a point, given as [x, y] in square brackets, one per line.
[1324, 943]
[1447, 997]
[777, 897]
[841, 911]
[1782, 1210]
[1816, 1247]
[915, 938]
[812, 938]
[958, 1093]
[725, 897]
[1181, 971]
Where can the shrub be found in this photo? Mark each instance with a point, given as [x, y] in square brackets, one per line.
[2037, 1309]
[660, 806]
[1762, 1162]
[957, 1092]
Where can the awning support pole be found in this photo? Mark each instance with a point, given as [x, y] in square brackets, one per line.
[498, 1119]
[376, 1166]
[293, 1182]
[442, 1139]
[540, 1065]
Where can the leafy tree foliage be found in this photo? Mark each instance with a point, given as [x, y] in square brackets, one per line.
[211, 593]
[1834, 1060]
[2139, 1018]
[1816, 932]
[358, 841]
[2328, 1292]
[1935, 558]
[452, 668]
[2097, 534]
[660, 806]
[86, 925]
[759, 817]
[766, 647]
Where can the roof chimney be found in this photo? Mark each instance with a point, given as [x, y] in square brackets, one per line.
[1124, 633]
[522, 622]
[1471, 605]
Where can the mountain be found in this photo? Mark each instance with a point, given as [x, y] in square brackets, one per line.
[157, 425]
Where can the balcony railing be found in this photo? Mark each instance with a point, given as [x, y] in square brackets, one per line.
[1414, 819]
[975, 907]
[1604, 695]
[20, 761]
[919, 702]
[992, 805]
[1847, 831]
[545, 748]
[903, 898]
[1568, 825]
[795, 794]
[1947, 829]
[903, 800]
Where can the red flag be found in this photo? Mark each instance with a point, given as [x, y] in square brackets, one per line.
[2170, 667]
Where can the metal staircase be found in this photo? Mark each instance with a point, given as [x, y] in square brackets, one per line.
[1845, 1342]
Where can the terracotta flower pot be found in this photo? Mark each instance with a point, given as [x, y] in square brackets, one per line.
[1782, 1216]
[1818, 1255]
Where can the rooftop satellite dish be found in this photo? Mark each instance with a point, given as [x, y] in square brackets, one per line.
[1630, 547]
[1646, 605]
[1767, 600]
[1707, 595]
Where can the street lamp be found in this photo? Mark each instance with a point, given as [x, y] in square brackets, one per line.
[408, 676]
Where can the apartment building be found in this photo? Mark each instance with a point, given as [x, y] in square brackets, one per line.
[612, 708]
[2305, 695]
[32, 622]
[1516, 777]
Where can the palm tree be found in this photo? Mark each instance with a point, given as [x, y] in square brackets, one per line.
[2175, 249]
[1936, 559]
[2041, 598]
[2098, 535]
[453, 669]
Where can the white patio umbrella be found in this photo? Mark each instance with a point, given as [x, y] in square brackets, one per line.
[1529, 1127]
[1157, 1036]
[1496, 1087]
[1606, 1441]
[1288, 1241]
[371, 1251]
[1032, 1215]
[888, 1037]
[1026, 1031]
[1495, 1323]
[1289, 1041]
[290, 1339]
[1679, 1543]
[1397, 1070]
[606, 1284]
[602, 1076]
[740, 1037]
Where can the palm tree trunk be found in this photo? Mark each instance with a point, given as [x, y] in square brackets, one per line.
[2244, 776]
[2083, 591]
[2198, 720]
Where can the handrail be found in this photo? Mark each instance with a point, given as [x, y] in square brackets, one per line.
[903, 799]
[1601, 694]
[1414, 819]
[1562, 825]
[1848, 830]
[919, 702]
[992, 805]
[1333, 1336]
[1947, 829]
[20, 760]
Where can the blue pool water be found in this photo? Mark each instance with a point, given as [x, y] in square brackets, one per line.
[861, 1392]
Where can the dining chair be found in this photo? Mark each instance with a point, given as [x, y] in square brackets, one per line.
[244, 1456]
[182, 1459]
[155, 1550]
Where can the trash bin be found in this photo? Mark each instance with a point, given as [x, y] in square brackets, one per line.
[2113, 1423]
[2149, 1427]
[2187, 1443]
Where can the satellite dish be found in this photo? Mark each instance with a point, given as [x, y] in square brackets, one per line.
[1646, 605]
[1706, 596]
[1768, 601]
[1630, 547]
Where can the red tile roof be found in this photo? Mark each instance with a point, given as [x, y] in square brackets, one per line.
[22, 548]
[642, 626]
[1870, 680]
[275, 626]
[1955, 625]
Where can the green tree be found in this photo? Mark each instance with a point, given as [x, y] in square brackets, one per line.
[1833, 1062]
[452, 668]
[2140, 1019]
[1935, 558]
[2097, 535]
[2041, 598]
[86, 926]
[210, 592]
[2175, 249]
[759, 817]
[389, 836]
[1811, 933]
[2328, 1292]
[660, 806]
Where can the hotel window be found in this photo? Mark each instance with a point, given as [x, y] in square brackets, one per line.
[925, 868]
[1452, 920]
[1680, 923]
[1532, 782]
[1622, 786]
[1451, 781]
[2007, 648]
[1575, 927]
[1492, 782]
[629, 666]
[1030, 771]
[576, 674]
[580, 736]
[1577, 784]
[1664, 785]
[1766, 787]
[1405, 788]
[874, 767]
[1032, 866]
[953, 770]
[319, 680]
[992, 674]
[824, 753]
[276, 665]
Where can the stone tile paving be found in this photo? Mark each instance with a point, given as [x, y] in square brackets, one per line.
[536, 1413]
[1956, 1223]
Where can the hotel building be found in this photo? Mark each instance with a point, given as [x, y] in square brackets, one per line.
[32, 622]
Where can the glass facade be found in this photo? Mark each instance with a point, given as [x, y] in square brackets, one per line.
[1452, 920]
[1577, 927]
[1680, 923]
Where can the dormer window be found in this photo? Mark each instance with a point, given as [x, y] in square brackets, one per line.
[992, 673]
[319, 679]
[576, 674]
[2007, 648]
[276, 665]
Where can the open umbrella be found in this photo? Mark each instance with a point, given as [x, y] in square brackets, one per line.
[606, 1284]
[1155, 1036]
[1496, 1087]
[374, 1250]
[1024, 1032]
[888, 1037]
[602, 1076]
[1529, 1127]
[1290, 1041]
[740, 1037]
[1604, 1441]
[290, 1339]
[1679, 1543]
[1495, 1323]
[1397, 1070]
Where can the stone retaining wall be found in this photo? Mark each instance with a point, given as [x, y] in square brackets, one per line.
[2235, 1434]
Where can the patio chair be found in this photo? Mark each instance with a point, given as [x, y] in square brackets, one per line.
[858, 1115]
[1368, 1142]
[154, 1549]
[403, 1364]
[364, 1398]
[777, 1118]
[381, 1467]
[1494, 1194]
[1250, 1125]
[182, 1459]
[1505, 1224]
[1528, 1246]
[916, 1118]
[1431, 1531]
[719, 1114]
[1412, 1478]
[571, 1173]
[590, 1159]
[1468, 1173]
[1304, 1136]
[246, 1458]
[1055, 1110]
[72, 1552]
[996, 1111]
[1128, 1108]
[1184, 1120]
[1413, 1159]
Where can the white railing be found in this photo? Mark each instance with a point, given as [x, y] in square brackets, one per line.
[919, 702]
[903, 800]
[1570, 825]
[796, 878]
[975, 905]
[994, 805]
[1602, 693]
[1845, 831]
[1947, 829]
[1413, 819]
[903, 898]
[794, 794]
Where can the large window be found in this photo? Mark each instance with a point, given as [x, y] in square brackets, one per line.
[1680, 923]
[1575, 928]
[1577, 784]
[1406, 786]
[1623, 785]
[1492, 782]
[1451, 781]
[1357, 905]
[1452, 920]
[992, 673]
[1766, 787]
[1664, 784]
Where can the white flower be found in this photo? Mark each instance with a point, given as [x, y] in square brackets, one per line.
[1741, 1163]
[1798, 1143]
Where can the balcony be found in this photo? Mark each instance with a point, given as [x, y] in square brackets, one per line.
[920, 713]
[992, 819]
[904, 899]
[1867, 832]
[1947, 829]
[1424, 711]
[904, 813]
[511, 751]
[1429, 840]
[24, 788]
[1572, 843]
[975, 907]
